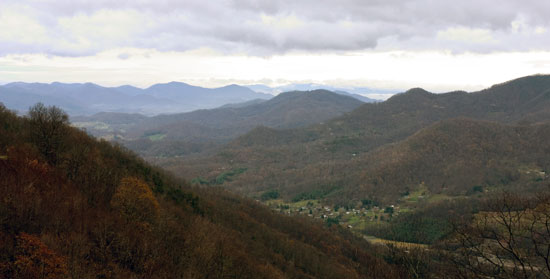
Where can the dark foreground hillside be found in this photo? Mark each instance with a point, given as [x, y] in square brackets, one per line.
[75, 207]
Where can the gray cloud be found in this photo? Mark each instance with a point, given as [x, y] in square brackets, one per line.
[72, 27]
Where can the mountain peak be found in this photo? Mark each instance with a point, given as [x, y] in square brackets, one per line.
[232, 86]
[176, 83]
[411, 94]
[417, 90]
[172, 84]
[90, 85]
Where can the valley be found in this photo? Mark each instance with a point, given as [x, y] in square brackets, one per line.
[403, 179]
[368, 175]
[367, 169]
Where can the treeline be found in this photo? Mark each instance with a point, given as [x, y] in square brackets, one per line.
[75, 207]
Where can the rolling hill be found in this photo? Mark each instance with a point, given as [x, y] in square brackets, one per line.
[372, 125]
[373, 151]
[287, 110]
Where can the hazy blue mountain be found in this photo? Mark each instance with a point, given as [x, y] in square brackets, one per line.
[196, 97]
[355, 92]
[130, 90]
[89, 98]
[74, 98]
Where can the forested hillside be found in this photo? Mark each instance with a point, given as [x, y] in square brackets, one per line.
[454, 156]
[348, 158]
[449, 158]
[75, 207]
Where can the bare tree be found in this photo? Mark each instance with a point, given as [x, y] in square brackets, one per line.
[509, 239]
[48, 128]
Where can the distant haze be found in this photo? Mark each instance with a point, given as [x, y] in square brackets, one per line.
[90, 98]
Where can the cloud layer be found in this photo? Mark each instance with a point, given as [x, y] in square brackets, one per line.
[252, 27]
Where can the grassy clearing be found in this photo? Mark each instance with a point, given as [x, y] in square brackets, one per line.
[156, 137]
[438, 198]
[357, 222]
[399, 244]
[274, 202]
[92, 125]
[292, 205]
[417, 195]
[423, 194]
[304, 203]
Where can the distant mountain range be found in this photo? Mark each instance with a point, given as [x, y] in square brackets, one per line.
[89, 98]
[164, 98]
[286, 110]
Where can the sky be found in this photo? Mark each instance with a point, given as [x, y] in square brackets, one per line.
[438, 45]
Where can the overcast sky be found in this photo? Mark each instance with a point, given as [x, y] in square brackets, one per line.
[436, 44]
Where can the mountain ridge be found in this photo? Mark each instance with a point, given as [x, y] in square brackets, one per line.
[89, 98]
[286, 110]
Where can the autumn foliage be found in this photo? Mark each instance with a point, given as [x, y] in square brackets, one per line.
[75, 207]
[135, 201]
[33, 259]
